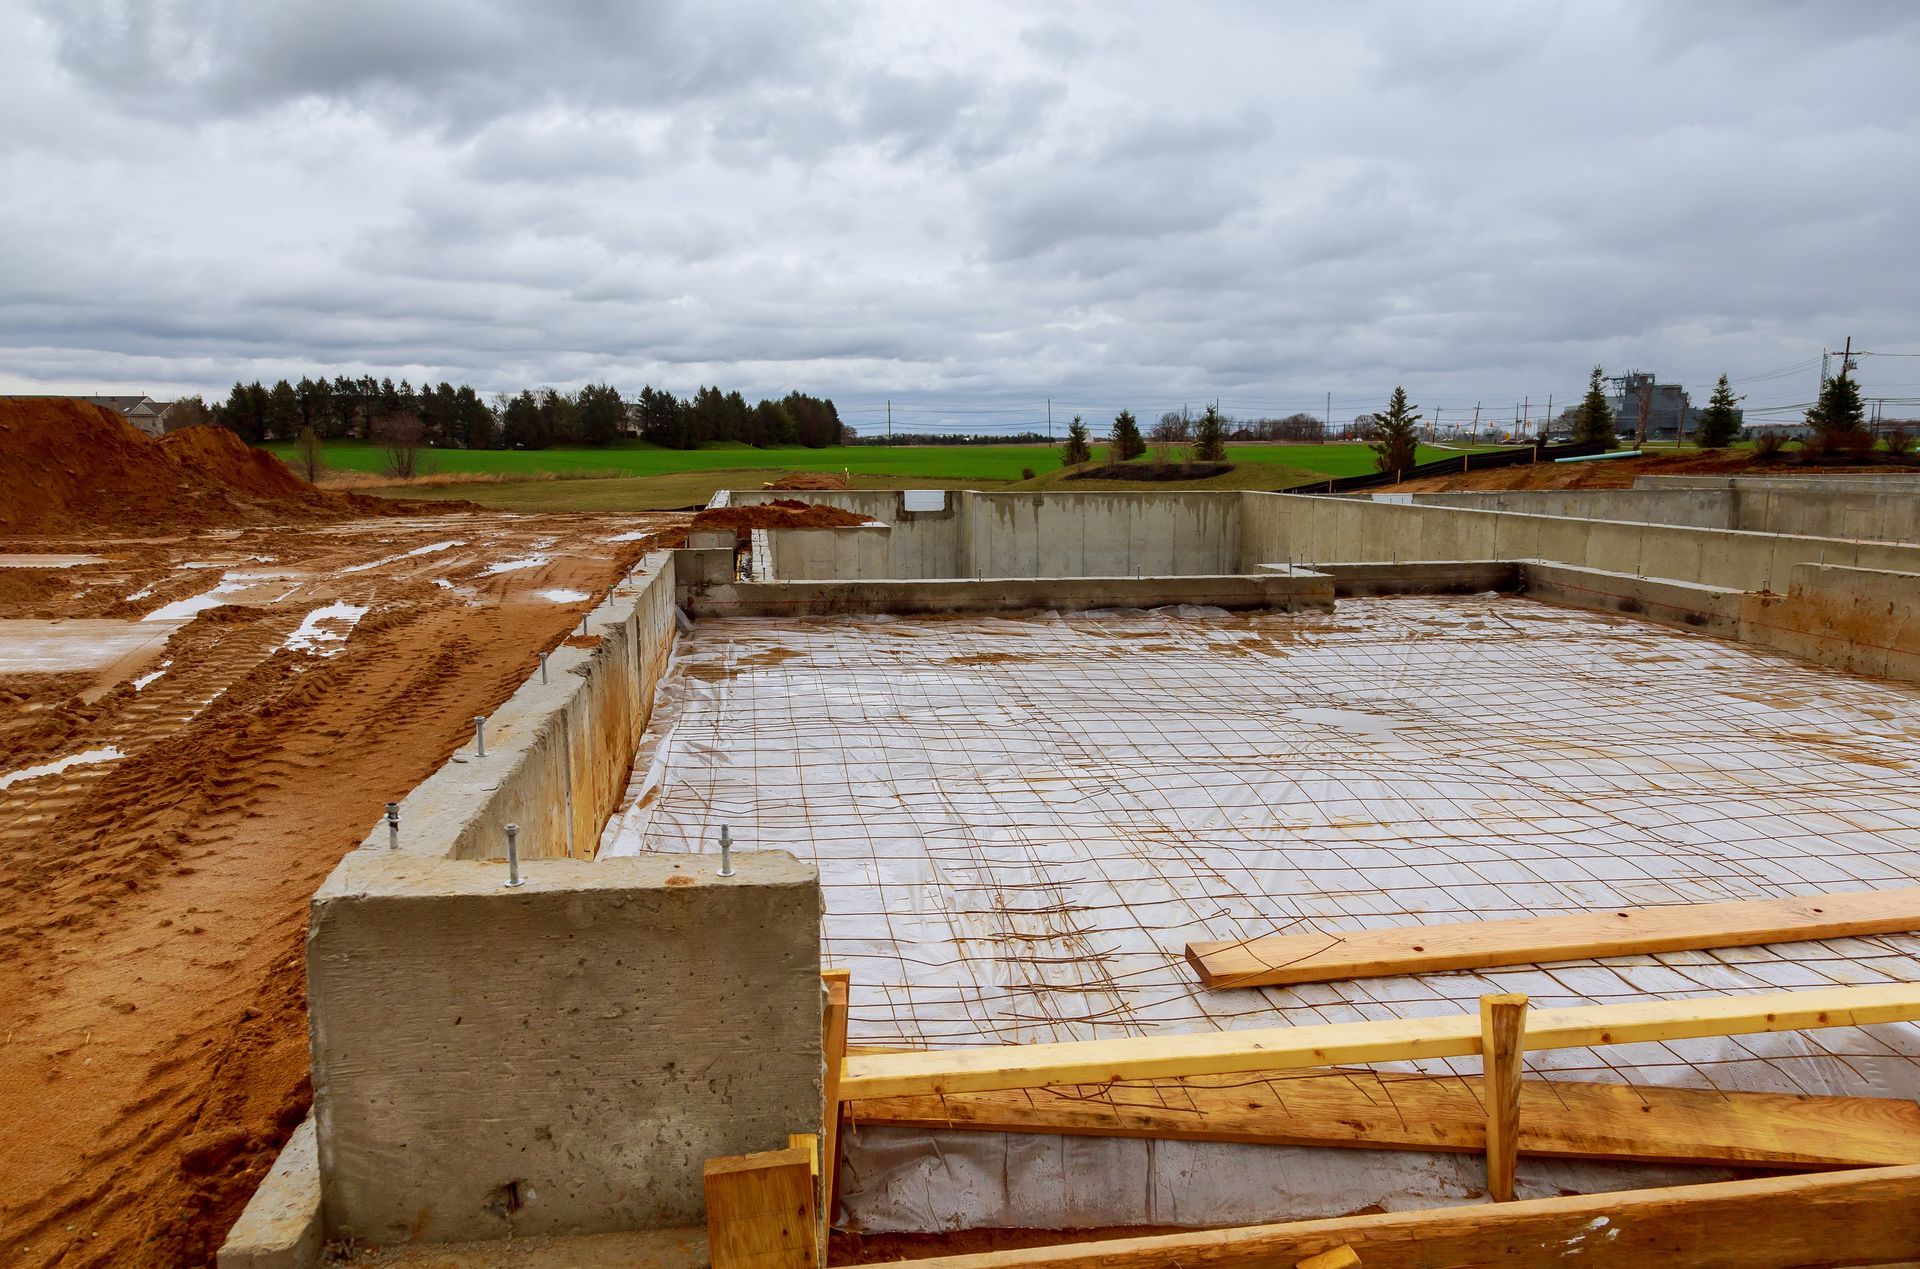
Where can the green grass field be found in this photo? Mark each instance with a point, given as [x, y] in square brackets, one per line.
[634, 476]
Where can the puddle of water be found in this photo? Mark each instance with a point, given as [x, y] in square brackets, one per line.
[181, 609]
[558, 595]
[51, 647]
[314, 632]
[430, 549]
[514, 566]
[49, 561]
[107, 754]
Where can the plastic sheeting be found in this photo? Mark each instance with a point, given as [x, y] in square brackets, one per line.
[1021, 823]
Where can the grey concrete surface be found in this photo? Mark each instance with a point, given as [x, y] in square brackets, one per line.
[559, 1058]
[1861, 511]
[281, 1227]
[1062, 594]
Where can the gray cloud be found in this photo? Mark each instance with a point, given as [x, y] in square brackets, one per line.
[964, 208]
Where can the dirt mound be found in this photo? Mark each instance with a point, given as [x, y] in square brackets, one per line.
[68, 466]
[782, 513]
[807, 480]
[1606, 473]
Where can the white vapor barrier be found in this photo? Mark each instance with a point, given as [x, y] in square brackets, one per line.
[1020, 823]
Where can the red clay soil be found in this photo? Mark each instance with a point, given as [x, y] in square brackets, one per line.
[67, 466]
[1619, 473]
[807, 480]
[781, 513]
[152, 920]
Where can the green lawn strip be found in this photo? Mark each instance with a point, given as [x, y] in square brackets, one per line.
[955, 462]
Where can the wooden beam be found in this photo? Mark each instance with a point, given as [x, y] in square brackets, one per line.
[1289, 1048]
[1503, 1021]
[1281, 959]
[761, 1212]
[833, 1032]
[1834, 1218]
[1387, 1110]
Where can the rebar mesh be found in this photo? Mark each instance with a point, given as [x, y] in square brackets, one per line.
[1020, 823]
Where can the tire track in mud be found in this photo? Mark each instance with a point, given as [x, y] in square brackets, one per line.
[152, 941]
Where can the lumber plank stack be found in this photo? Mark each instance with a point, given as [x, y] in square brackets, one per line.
[1284, 959]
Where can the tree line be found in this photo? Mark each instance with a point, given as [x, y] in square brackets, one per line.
[443, 415]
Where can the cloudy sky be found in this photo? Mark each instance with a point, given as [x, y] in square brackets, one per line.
[966, 207]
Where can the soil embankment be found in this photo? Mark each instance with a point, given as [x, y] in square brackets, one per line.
[67, 466]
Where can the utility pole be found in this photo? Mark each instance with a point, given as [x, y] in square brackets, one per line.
[1474, 431]
[1049, 420]
[1823, 367]
[1329, 412]
[1549, 419]
[889, 420]
[1434, 436]
[1526, 414]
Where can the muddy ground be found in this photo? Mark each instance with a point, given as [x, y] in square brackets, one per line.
[152, 994]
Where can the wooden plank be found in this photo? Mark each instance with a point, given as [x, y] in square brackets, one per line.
[833, 1031]
[1404, 1039]
[1503, 1022]
[1281, 959]
[761, 1212]
[1834, 1218]
[1386, 1110]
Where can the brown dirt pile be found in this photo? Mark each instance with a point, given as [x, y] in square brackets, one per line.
[807, 480]
[67, 466]
[1605, 473]
[782, 513]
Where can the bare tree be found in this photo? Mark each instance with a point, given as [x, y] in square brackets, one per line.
[308, 460]
[1170, 433]
[1643, 403]
[189, 411]
[401, 435]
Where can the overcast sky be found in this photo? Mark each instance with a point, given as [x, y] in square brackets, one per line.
[967, 207]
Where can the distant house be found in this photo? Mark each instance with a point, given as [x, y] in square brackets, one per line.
[143, 412]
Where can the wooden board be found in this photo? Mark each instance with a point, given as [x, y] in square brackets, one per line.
[1281, 959]
[1502, 1021]
[1834, 1218]
[761, 1210]
[1365, 1109]
[833, 1039]
[1402, 1039]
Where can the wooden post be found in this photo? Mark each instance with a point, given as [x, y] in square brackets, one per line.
[761, 1212]
[833, 1028]
[1503, 1021]
[1338, 1258]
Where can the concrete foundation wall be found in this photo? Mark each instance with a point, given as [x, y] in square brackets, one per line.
[1862, 620]
[1059, 594]
[1277, 527]
[561, 1057]
[1879, 511]
[985, 535]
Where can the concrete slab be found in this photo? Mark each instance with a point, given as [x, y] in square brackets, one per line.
[281, 1227]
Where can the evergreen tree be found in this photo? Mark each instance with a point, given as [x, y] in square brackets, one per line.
[520, 423]
[1396, 434]
[1210, 436]
[1719, 423]
[1125, 444]
[282, 418]
[1839, 411]
[1595, 419]
[602, 413]
[1076, 450]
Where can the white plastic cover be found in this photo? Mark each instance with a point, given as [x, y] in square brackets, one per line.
[1021, 822]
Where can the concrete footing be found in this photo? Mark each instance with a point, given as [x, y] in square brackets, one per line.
[282, 1226]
